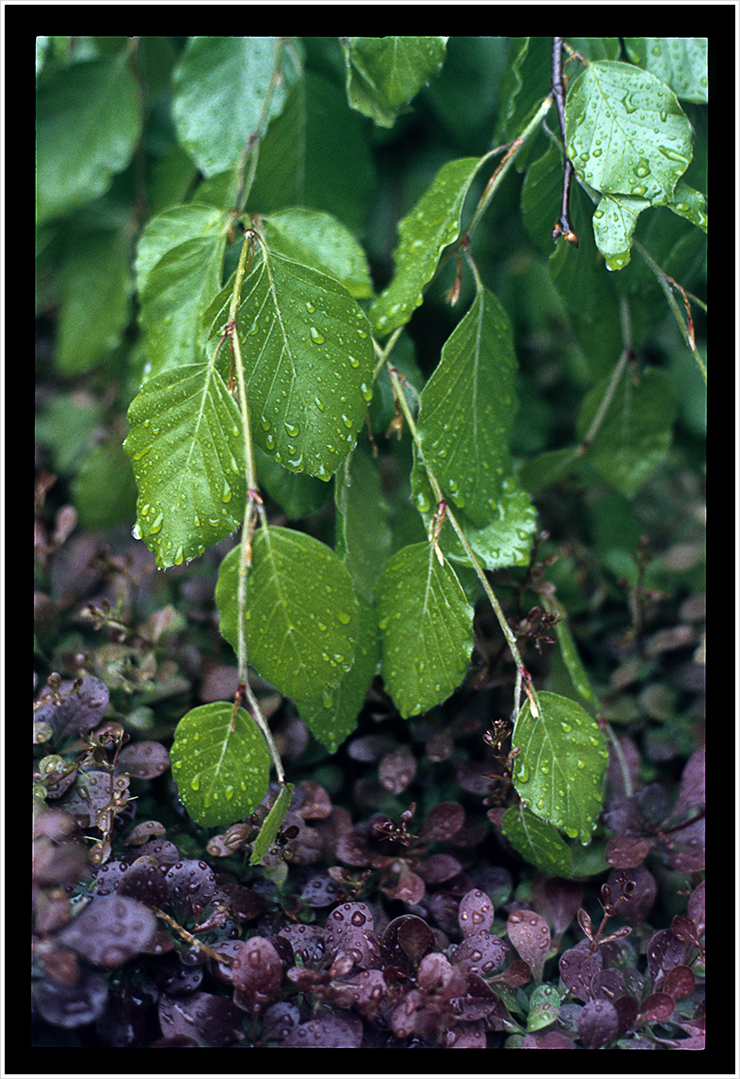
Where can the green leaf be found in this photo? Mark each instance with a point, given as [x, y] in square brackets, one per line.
[569, 652]
[680, 62]
[384, 73]
[104, 491]
[334, 717]
[220, 763]
[95, 288]
[424, 233]
[309, 358]
[88, 123]
[302, 616]
[626, 133]
[178, 269]
[363, 538]
[317, 239]
[538, 843]
[271, 826]
[467, 410]
[560, 767]
[427, 629]
[316, 127]
[615, 219]
[636, 431]
[227, 89]
[187, 451]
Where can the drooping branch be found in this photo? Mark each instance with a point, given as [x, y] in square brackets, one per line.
[563, 226]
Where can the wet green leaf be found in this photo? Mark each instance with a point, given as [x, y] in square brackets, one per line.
[680, 62]
[424, 233]
[302, 616]
[309, 359]
[220, 763]
[559, 770]
[538, 842]
[426, 626]
[467, 410]
[626, 133]
[186, 448]
[318, 239]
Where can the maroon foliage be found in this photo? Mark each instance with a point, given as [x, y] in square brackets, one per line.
[598, 1024]
[257, 972]
[476, 913]
[530, 935]
[208, 1019]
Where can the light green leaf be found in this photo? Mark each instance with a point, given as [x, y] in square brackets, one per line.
[384, 73]
[222, 87]
[424, 233]
[636, 431]
[271, 827]
[626, 133]
[220, 763]
[334, 717]
[467, 410]
[317, 239]
[302, 614]
[569, 652]
[88, 123]
[680, 62]
[689, 204]
[560, 767]
[427, 629]
[95, 287]
[538, 842]
[615, 219]
[187, 451]
[309, 359]
[178, 268]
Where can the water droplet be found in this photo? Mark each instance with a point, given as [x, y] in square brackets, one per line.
[292, 429]
[229, 792]
[157, 523]
[225, 492]
[141, 453]
[179, 556]
[354, 362]
[310, 307]
[343, 617]
[316, 337]
[265, 423]
[319, 404]
[366, 392]
[195, 782]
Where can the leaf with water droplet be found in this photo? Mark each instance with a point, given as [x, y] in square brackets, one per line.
[567, 797]
[192, 447]
[295, 586]
[424, 233]
[633, 162]
[291, 352]
[384, 73]
[220, 763]
[538, 842]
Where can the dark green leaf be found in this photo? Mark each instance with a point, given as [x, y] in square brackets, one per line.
[187, 451]
[220, 763]
[302, 615]
[363, 539]
[424, 233]
[467, 410]
[636, 431]
[317, 239]
[559, 770]
[427, 629]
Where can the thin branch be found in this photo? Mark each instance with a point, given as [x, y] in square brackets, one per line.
[563, 226]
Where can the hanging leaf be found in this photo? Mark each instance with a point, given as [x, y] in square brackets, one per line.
[615, 220]
[679, 62]
[309, 359]
[424, 233]
[271, 826]
[560, 767]
[226, 88]
[363, 540]
[538, 842]
[186, 448]
[318, 239]
[334, 717]
[302, 616]
[467, 410]
[178, 269]
[636, 431]
[220, 763]
[384, 73]
[427, 629]
[626, 133]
